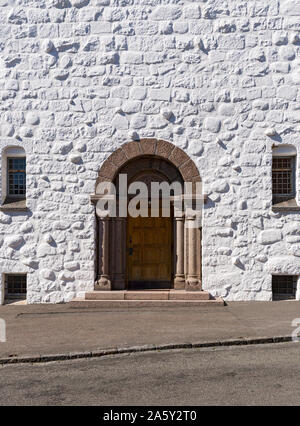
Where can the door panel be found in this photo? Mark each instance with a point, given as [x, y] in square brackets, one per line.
[149, 249]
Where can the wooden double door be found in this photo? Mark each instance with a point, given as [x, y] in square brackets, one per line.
[149, 252]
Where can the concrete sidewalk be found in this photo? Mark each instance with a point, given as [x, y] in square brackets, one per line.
[56, 329]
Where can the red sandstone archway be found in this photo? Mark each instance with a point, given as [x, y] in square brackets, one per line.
[149, 147]
[111, 269]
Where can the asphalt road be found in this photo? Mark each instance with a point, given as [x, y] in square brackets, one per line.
[254, 375]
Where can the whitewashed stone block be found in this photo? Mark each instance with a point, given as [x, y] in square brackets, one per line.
[120, 122]
[32, 118]
[287, 53]
[47, 274]
[48, 46]
[5, 219]
[75, 158]
[160, 94]
[26, 227]
[290, 7]
[72, 266]
[270, 236]
[14, 241]
[31, 263]
[212, 124]
[166, 13]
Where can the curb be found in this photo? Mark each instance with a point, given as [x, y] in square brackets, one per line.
[146, 348]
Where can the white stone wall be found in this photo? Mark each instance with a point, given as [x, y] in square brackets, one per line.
[78, 77]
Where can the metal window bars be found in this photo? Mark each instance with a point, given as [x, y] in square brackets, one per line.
[284, 286]
[17, 176]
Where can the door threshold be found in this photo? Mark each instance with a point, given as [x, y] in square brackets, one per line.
[148, 289]
[149, 285]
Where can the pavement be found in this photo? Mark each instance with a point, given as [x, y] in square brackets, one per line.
[36, 331]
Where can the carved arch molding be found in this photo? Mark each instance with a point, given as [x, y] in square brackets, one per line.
[148, 160]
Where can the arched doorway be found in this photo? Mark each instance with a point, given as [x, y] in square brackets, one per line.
[152, 252]
[150, 240]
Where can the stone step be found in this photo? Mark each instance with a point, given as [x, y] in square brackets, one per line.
[148, 295]
[104, 295]
[189, 295]
[109, 304]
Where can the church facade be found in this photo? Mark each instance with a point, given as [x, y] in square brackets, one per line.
[160, 91]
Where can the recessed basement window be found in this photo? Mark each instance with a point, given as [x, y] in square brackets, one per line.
[15, 286]
[284, 287]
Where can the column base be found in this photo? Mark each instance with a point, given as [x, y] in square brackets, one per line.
[103, 283]
[193, 283]
[179, 282]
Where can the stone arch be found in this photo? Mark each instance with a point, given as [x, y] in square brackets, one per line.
[155, 148]
[149, 167]
[162, 159]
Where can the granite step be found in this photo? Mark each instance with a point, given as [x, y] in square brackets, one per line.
[148, 295]
[144, 303]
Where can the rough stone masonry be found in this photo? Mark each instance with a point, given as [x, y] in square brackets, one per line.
[79, 78]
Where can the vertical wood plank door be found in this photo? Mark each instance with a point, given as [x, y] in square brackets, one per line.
[149, 252]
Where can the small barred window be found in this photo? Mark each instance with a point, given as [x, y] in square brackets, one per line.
[16, 176]
[283, 178]
[284, 287]
[15, 285]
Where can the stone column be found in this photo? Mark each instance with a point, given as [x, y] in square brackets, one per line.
[104, 282]
[193, 282]
[179, 281]
[120, 251]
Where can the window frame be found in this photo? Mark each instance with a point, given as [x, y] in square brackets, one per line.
[284, 295]
[8, 295]
[292, 194]
[12, 202]
[9, 171]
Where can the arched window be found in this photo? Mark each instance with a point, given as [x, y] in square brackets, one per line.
[284, 176]
[13, 177]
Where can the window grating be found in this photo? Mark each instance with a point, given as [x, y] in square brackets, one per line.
[283, 178]
[16, 285]
[284, 286]
[17, 176]
[282, 172]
